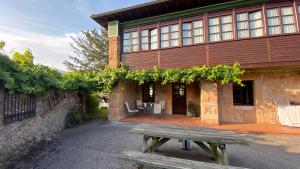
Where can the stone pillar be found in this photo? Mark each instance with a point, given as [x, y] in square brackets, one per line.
[209, 103]
[120, 93]
[114, 44]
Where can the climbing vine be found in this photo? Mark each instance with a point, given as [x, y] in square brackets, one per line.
[28, 78]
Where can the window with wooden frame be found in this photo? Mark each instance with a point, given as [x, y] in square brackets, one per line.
[243, 95]
[192, 33]
[153, 39]
[145, 40]
[130, 42]
[281, 21]
[299, 13]
[148, 92]
[220, 28]
[169, 36]
[249, 24]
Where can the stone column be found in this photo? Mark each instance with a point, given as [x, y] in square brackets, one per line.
[209, 103]
[114, 44]
[120, 93]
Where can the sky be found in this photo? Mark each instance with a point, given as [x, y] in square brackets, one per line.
[45, 26]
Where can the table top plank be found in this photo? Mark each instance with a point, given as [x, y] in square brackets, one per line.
[195, 134]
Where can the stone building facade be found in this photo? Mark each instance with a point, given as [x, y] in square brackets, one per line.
[19, 137]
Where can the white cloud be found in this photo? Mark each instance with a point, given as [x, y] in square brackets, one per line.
[47, 49]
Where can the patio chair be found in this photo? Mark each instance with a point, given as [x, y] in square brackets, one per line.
[139, 105]
[163, 106]
[157, 109]
[129, 110]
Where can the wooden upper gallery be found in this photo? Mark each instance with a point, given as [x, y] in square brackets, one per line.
[184, 33]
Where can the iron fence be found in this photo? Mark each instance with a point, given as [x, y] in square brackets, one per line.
[18, 107]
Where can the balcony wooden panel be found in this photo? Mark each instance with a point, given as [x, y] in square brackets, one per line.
[141, 60]
[242, 51]
[285, 48]
[183, 57]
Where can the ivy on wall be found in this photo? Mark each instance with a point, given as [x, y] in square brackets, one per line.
[37, 79]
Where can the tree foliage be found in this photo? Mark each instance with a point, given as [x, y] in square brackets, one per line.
[91, 51]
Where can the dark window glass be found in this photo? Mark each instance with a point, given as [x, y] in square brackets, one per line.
[148, 92]
[243, 95]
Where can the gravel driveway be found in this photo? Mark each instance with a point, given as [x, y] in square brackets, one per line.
[92, 145]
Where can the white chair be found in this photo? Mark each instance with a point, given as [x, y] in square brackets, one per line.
[129, 110]
[139, 105]
[103, 104]
[157, 108]
[163, 106]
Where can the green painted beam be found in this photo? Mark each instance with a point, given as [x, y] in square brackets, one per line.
[189, 12]
[113, 28]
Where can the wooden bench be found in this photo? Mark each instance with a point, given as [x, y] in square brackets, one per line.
[154, 160]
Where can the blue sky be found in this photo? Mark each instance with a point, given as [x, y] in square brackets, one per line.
[45, 26]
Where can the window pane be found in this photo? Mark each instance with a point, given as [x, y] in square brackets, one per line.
[164, 37]
[145, 46]
[198, 39]
[153, 39]
[242, 25]
[126, 35]
[214, 29]
[187, 41]
[226, 19]
[198, 24]
[272, 12]
[175, 42]
[288, 20]
[226, 27]
[214, 37]
[287, 11]
[256, 24]
[213, 21]
[243, 95]
[273, 21]
[243, 34]
[154, 45]
[126, 42]
[186, 34]
[242, 17]
[257, 32]
[274, 30]
[174, 35]
[145, 40]
[299, 9]
[186, 26]
[164, 29]
[255, 15]
[198, 31]
[144, 33]
[289, 29]
[135, 48]
[134, 34]
[153, 32]
[126, 49]
[164, 44]
[174, 28]
[134, 41]
[227, 36]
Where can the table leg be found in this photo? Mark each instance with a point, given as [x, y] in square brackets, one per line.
[145, 143]
[224, 154]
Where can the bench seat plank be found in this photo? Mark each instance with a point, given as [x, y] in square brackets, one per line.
[160, 161]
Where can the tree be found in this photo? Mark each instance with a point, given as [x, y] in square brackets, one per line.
[91, 51]
[2, 45]
[25, 59]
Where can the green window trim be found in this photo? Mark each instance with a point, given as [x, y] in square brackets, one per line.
[189, 12]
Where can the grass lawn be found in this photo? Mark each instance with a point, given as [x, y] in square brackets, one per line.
[96, 114]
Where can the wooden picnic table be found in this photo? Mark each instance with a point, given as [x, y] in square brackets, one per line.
[212, 141]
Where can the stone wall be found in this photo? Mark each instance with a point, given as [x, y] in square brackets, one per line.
[267, 86]
[17, 138]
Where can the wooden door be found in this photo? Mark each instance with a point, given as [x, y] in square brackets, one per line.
[179, 98]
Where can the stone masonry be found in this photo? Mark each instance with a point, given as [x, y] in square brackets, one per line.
[17, 138]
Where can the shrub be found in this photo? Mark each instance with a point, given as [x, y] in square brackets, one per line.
[74, 118]
[193, 110]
